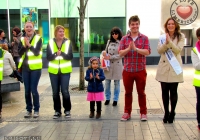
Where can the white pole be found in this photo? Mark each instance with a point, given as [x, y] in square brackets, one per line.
[49, 19]
[8, 21]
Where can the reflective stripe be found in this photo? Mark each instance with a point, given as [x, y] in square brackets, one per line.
[1, 61]
[59, 58]
[34, 61]
[51, 45]
[1, 69]
[36, 40]
[67, 44]
[196, 76]
[67, 64]
[31, 53]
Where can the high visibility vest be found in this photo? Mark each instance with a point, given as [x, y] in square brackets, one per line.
[196, 80]
[34, 62]
[1, 64]
[65, 66]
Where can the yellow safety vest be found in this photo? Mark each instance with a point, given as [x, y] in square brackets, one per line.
[65, 66]
[34, 62]
[1, 64]
[196, 80]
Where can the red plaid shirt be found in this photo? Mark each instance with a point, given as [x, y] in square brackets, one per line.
[133, 61]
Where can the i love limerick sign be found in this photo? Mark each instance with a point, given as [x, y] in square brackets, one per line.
[184, 11]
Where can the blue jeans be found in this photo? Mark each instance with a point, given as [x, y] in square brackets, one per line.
[108, 89]
[60, 81]
[31, 79]
[198, 104]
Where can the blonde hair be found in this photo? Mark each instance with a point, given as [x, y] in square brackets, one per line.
[29, 22]
[4, 46]
[57, 28]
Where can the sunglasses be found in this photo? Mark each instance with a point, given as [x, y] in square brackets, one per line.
[114, 33]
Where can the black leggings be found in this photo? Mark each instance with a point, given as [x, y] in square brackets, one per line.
[172, 88]
[92, 104]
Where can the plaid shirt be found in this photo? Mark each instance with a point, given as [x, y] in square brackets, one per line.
[133, 61]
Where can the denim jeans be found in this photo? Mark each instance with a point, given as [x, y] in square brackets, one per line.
[31, 79]
[198, 104]
[108, 89]
[60, 81]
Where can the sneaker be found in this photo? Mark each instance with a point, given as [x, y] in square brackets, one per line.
[125, 117]
[56, 115]
[143, 117]
[67, 114]
[28, 114]
[36, 114]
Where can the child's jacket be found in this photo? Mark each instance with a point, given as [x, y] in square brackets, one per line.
[94, 84]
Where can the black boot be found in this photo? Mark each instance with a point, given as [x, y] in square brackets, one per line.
[91, 114]
[114, 103]
[171, 117]
[166, 117]
[107, 102]
[98, 115]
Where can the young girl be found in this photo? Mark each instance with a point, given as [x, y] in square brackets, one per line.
[95, 76]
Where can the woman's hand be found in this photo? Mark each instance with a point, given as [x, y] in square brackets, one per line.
[27, 44]
[91, 76]
[58, 52]
[107, 57]
[167, 38]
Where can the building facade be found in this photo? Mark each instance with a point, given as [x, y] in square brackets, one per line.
[100, 17]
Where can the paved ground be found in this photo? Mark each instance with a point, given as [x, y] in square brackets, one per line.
[109, 127]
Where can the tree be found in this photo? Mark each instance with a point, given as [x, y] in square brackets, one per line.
[81, 39]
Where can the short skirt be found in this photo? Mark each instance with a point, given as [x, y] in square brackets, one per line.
[95, 96]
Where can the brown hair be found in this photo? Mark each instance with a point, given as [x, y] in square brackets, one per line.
[4, 46]
[133, 19]
[177, 32]
[57, 28]
[198, 32]
[17, 30]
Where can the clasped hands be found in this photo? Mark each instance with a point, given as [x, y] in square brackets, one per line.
[26, 41]
[132, 46]
[97, 76]
[167, 38]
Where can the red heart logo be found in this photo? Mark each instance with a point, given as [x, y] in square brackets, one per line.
[184, 11]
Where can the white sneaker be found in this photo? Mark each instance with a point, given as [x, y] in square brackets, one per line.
[28, 114]
[36, 114]
[67, 114]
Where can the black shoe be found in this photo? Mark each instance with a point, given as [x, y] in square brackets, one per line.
[98, 115]
[171, 117]
[166, 117]
[114, 103]
[107, 102]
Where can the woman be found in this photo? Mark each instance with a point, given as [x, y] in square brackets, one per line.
[31, 65]
[9, 68]
[15, 44]
[166, 75]
[195, 55]
[59, 54]
[116, 67]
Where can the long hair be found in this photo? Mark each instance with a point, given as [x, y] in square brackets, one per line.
[117, 31]
[17, 30]
[177, 32]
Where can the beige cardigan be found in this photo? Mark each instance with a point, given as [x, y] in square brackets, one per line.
[165, 72]
[8, 64]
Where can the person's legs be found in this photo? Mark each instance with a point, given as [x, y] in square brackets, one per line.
[27, 84]
[173, 96]
[198, 104]
[16, 60]
[128, 81]
[55, 84]
[116, 90]
[140, 79]
[65, 91]
[98, 109]
[165, 99]
[107, 90]
[92, 104]
[35, 77]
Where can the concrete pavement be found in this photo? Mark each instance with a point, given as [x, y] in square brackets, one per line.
[109, 127]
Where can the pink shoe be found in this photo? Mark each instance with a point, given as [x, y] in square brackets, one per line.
[125, 117]
[143, 117]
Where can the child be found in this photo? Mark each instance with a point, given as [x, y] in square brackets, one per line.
[95, 76]
[105, 63]
[195, 56]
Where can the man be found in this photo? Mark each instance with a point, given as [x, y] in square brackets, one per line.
[134, 47]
